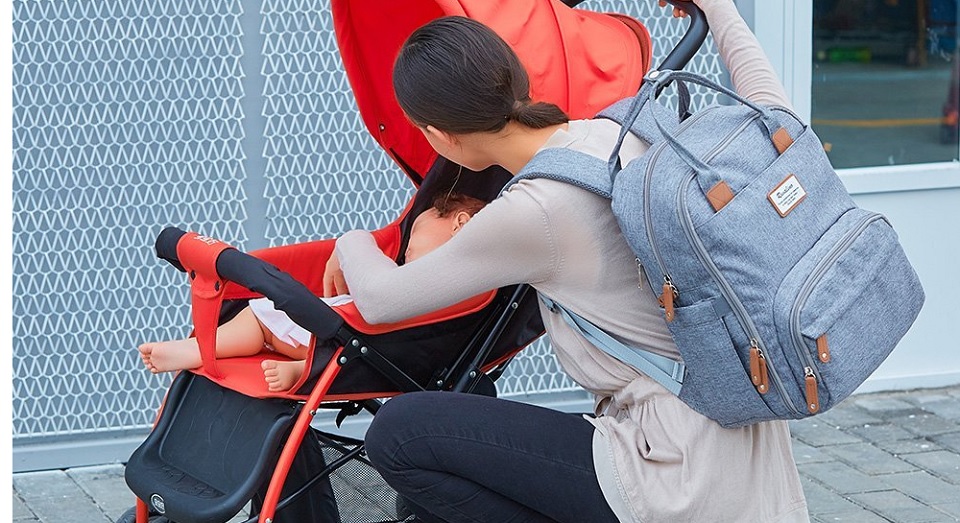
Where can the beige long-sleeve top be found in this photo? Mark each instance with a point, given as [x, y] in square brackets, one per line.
[656, 459]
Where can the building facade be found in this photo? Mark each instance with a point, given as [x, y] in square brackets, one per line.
[235, 119]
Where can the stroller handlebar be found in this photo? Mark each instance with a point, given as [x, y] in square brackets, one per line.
[287, 294]
[688, 46]
[692, 40]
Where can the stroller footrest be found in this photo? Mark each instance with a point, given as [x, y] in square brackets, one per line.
[210, 452]
[179, 481]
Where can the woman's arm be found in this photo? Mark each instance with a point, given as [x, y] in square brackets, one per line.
[507, 242]
[752, 74]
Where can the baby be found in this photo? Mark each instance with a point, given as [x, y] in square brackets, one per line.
[259, 324]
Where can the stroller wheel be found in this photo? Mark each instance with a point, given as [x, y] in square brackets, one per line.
[130, 516]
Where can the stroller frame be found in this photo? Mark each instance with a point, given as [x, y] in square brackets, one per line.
[214, 267]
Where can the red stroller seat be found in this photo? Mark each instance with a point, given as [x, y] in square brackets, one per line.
[222, 439]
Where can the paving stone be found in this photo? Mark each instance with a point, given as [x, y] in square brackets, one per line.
[843, 478]
[55, 498]
[882, 432]
[848, 415]
[818, 434]
[869, 459]
[823, 501]
[925, 424]
[907, 446]
[926, 397]
[827, 506]
[803, 453]
[885, 406]
[951, 510]
[106, 486]
[946, 409]
[899, 507]
[950, 441]
[21, 513]
[940, 463]
[923, 487]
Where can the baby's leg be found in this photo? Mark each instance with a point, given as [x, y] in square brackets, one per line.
[241, 336]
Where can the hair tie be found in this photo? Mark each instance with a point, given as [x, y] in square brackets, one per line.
[518, 105]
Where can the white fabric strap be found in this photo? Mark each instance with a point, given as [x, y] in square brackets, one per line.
[663, 370]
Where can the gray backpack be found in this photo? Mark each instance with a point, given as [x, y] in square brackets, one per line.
[781, 294]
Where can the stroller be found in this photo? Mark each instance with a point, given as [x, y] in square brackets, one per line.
[221, 439]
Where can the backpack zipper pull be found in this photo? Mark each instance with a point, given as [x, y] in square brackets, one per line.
[758, 368]
[813, 401]
[639, 274]
[667, 296]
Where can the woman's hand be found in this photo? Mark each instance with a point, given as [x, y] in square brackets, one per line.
[677, 12]
[680, 13]
[333, 281]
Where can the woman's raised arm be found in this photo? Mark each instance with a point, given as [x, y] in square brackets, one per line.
[752, 74]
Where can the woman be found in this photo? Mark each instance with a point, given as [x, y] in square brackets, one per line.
[646, 456]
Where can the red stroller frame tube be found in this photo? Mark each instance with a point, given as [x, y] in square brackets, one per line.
[296, 437]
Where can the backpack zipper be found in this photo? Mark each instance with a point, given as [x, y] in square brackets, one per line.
[730, 296]
[669, 292]
[813, 279]
[728, 293]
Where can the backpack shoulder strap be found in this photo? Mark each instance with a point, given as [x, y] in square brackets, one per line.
[569, 166]
[663, 370]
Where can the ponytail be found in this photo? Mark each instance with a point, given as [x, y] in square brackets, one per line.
[537, 115]
[459, 76]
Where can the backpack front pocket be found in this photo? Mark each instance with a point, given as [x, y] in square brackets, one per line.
[717, 383]
[844, 305]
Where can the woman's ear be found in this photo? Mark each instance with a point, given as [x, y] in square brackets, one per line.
[460, 218]
[442, 136]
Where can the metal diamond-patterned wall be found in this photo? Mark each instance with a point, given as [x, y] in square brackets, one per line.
[126, 118]
[131, 115]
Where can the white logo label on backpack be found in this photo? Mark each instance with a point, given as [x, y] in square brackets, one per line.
[786, 196]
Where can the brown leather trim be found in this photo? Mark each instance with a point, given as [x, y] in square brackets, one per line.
[719, 195]
[813, 398]
[782, 140]
[823, 349]
[666, 301]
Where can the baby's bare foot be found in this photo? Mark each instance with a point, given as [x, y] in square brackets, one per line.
[282, 375]
[166, 356]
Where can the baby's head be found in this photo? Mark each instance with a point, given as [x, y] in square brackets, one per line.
[436, 225]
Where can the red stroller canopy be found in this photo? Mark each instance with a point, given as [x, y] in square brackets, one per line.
[580, 60]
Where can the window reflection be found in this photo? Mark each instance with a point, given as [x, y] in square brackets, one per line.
[885, 81]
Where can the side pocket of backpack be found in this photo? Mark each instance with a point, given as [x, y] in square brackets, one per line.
[717, 383]
[844, 306]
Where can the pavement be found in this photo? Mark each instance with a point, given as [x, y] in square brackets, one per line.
[882, 457]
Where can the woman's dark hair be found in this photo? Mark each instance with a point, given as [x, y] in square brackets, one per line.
[459, 76]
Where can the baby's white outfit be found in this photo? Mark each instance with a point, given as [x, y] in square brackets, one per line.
[283, 328]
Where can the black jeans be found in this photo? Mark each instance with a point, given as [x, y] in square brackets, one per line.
[468, 458]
